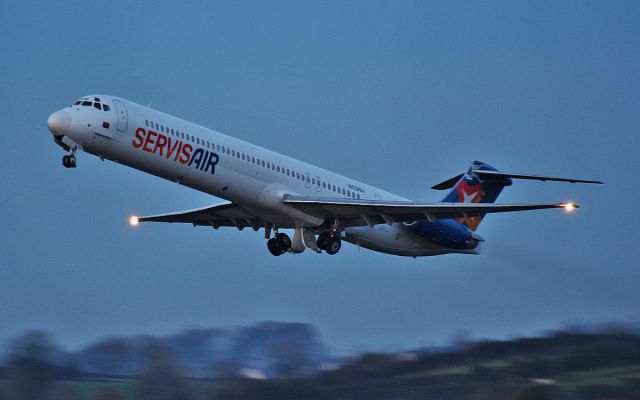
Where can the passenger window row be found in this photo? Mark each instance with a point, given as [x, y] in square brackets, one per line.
[250, 159]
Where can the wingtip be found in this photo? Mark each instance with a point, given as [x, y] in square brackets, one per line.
[569, 206]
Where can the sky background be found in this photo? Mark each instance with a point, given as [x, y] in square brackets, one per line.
[397, 94]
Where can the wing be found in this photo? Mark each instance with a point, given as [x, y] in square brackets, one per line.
[225, 214]
[372, 212]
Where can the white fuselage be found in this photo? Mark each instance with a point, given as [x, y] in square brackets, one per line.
[229, 168]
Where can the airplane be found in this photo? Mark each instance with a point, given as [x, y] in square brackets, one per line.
[270, 191]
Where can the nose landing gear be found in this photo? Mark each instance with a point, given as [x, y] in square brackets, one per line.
[69, 161]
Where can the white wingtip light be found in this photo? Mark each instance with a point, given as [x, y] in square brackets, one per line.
[569, 207]
[134, 221]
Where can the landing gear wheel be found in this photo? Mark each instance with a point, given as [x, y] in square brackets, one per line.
[279, 244]
[274, 248]
[284, 241]
[321, 242]
[332, 245]
[69, 161]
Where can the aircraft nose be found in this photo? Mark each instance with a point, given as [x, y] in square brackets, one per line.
[59, 122]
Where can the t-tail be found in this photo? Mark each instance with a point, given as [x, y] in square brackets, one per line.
[481, 183]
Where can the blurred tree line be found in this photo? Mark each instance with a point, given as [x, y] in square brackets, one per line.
[561, 365]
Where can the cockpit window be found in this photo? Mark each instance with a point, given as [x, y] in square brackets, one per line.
[98, 106]
[106, 107]
[97, 99]
[86, 103]
[77, 102]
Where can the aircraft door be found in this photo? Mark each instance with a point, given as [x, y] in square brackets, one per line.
[123, 117]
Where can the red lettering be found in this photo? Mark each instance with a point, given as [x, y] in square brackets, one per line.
[149, 141]
[172, 149]
[140, 134]
[186, 154]
[179, 150]
[160, 143]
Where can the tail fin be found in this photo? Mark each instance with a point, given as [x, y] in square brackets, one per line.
[469, 188]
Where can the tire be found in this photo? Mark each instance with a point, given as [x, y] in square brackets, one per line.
[65, 161]
[321, 242]
[333, 245]
[274, 247]
[284, 242]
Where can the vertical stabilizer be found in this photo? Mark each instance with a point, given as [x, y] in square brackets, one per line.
[471, 189]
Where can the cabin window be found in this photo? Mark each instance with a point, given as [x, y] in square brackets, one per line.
[157, 126]
[313, 181]
[146, 122]
[233, 153]
[324, 185]
[223, 149]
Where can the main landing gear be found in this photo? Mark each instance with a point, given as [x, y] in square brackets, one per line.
[329, 243]
[279, 244]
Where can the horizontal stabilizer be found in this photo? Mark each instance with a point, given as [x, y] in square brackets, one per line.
[489, 175]
[448, 184]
